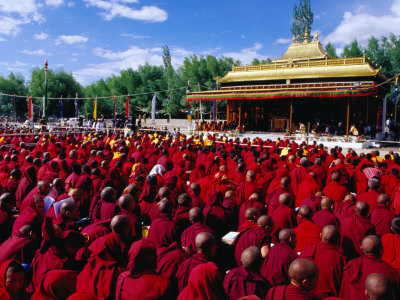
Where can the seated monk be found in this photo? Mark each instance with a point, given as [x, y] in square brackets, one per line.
[354, 229]
[306, 188]
[330, 261]
[325, 216]
[57, 284]
[304, 277]
[382, 216]
[258, 236]
[141, 281]
[345, 209]
[163, 229]
[247, 187]
[105, 208]
[128, 207]
[196, 218]
[251, 215]
[334, 189]
[283, 216]
[358, 269]
[32, 215]
[273, 197]
[106, 262]
[181, 214]
[12, 284]
[276, 265]
[306, 232]
[195, 191]
[206, 249]
[372, 195]
[246, 279]
[391, 245]
[377, 286]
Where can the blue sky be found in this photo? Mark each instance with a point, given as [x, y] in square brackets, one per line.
[94, 39]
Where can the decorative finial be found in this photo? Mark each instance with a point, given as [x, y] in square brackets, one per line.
[294, 39]
[316, 36]
[306, 36]
[46, 64]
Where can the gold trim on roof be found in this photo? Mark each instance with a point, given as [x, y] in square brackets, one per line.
[303, 51]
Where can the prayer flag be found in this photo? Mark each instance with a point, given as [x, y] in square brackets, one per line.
[153, 108]
[115, 108]
[76, 106]
[95, 109]
[215, 104]
[127, 107]
[30, 108]
[168, 102]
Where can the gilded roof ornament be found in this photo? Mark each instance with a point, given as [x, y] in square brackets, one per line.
[306, 36]
[316, 36]
[294, 39]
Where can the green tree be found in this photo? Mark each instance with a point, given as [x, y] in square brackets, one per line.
[352, 50]
[330, 49]
[303, 18]
[13, 84]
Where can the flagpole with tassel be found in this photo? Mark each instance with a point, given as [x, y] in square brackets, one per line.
[395, 101]
[45, 87]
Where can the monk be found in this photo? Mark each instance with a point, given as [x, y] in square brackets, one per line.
[314, 201]
[391, 245]
[19, 245]
[325, 216]
[32, 215]
[57, 284]
[246, 279]
[283, 216]
[354, 229]
[250, 219]
[320, 171]
[181, 214]
[196, 218]
[304, 277]
[195, 191]
[259, 236]
[307, 232]
[206, 249]
[254, 201]
[247, 187]
[106, 262]
[204, 283]
[377, 286]
[128, 207]
[330, 261]
[307, 188]
[7, 203]
[345, 209]
[276, 265]
[372, 195]
[140, 281]
[334, 189]
[358, 269]
[12, 282]
[163, 230]
[382, 216]
[273, 197]
[299, 174]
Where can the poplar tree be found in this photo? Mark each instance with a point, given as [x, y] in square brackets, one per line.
[303, 18]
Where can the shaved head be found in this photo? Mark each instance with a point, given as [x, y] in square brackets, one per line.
[285, 182]
[304, 272]
[289, 236]
[383, 199]
[285, 199]
[251, 258]
[184, 200]
[165, 206]
[330, 234]
[305, 212]
[265, 221]
[372, 245]
[378, 287]
[362, 208]
[196, 215]
[127, 202]
[327, 203]
[349, 197]
[251, 214]
[164, 192]
[120, 225]
[205, 243]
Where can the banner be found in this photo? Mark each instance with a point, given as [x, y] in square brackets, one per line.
[30, 115]
[127, 107]
[168, 102]
[76, 106]
[15, 110]
[95, 109]
[60, 116]
[395, 91]
[215, 105]
[153, 108]
[115, 108]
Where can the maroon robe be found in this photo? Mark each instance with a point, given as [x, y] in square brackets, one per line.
[189, 234]
[187, 266]
[344, 210]
[255, 236]
[381, 218]
[314, 202]
[162, 231]
[283, 217]
[273, 199]
[391, 250]
[27, 183]
[307, 233]
[358, 269]
[169, 258]
[15, 247]
[325, 217]
[335, 191]
[240, 282]
[288, 292]
[330, 261]
[275, 267]
[353, 230]
[369, 197]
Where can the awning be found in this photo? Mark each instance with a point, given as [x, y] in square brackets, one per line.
[278, 94]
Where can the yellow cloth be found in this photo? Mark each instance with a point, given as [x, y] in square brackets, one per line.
[285, 151]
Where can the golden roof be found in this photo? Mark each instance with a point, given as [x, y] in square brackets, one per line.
[301, 61]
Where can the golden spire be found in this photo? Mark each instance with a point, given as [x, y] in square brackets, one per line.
[294, 39]
[316, 36]
[306, 36]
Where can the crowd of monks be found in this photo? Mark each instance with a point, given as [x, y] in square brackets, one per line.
[159, 216]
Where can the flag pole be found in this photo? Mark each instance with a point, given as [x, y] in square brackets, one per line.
[45, 87]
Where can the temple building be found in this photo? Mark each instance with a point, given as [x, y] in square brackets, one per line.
[304, 85]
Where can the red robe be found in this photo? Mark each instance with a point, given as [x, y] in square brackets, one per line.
[391, 250]
[335, 191]
[283, 217]
[305, 189]
[189, 234]
[307, 233]
[344, 210]
[275, 267]
[330, 261]
[369, 197]
[162, 231]
[244, 191]
[169, 258]
[352, 231]
[240, 282]
[358, 269]
[187, 266]
[325, 217]
[289, 292]
[15, 247]
[381, 218]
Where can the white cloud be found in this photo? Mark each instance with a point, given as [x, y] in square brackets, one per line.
[27, 9]
[282, 41]
[362, 26]
[118, 8]
[246, 55]
[70, 4]
[211, 51]
[71, 39]
[243, 36]
[74, 59]
[3, 39]
[41, 36]
[135, 36]
[35, 52]
[10, 26]
[54, 2]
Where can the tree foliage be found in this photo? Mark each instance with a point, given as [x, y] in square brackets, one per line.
[303, 18]
[330, 49]
[13, 84]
